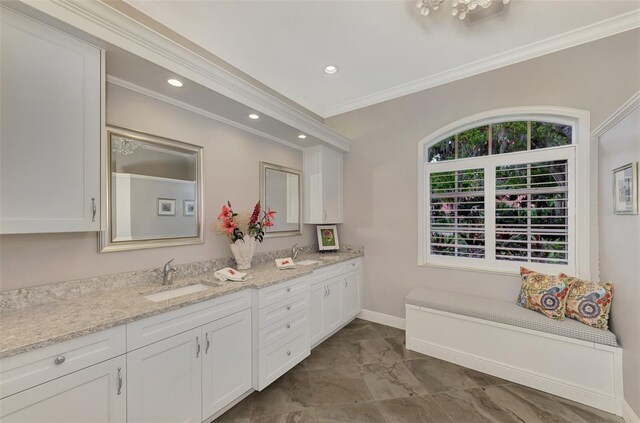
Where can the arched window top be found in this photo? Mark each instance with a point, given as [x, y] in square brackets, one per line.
[500, 138]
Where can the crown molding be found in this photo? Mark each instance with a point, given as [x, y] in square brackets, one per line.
[622, 112]
[593, 32]
[177, 103]
[110, 25]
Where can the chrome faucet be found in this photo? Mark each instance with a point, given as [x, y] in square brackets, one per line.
[295, 250]
[167, 273]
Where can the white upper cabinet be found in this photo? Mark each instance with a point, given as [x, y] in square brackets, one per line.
[50, 129]
[323, 185]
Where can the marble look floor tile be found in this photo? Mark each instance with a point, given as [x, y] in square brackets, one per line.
[483, 379]
[357, 333]
[590, 414]
[292, 392]
[329, 356]
[338, 386]
[239, 413]
[546, 402]
[387, 331]
[523, 410]
[370, 351]
[391, 380]
[438, 375]
[303, 416]
[399, 345]
[473, 405]
[412, 410]
[357, 413]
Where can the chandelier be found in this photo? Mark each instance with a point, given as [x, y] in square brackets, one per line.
[459, 8]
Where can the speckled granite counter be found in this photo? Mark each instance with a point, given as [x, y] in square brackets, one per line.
[27, 328]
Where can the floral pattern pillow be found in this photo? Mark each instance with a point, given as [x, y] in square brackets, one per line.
[589, 302]
[524, 272]
[545, 294]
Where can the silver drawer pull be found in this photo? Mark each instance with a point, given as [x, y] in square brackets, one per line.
[288, 352]
[60, 360]
[288, 289]
[288, 307]
[197, 346]
[346, 283]
[206, 348]
[119, 380]
[288, 326]
[353, 264]
[93, 210]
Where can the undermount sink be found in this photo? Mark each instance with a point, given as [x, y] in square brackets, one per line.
[179, 292]
[330, 258]
[307, 262]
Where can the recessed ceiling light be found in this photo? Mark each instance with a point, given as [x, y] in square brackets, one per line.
[175, 82]
[302, 136]
[331, 69]
[254, 116]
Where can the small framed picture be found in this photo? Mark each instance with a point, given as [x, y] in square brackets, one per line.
[166, 207]
[189, 208]
[625, 189]
[328, 237]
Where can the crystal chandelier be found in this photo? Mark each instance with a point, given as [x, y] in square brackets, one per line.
[123, 145]
[459, 8]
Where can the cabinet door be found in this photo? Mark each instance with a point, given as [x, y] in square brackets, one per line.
[95, 394]
[332, 308]
[350, 293]
[332, 185]
[226, 366]
[163, 383]
[315, 312]
[49, 129]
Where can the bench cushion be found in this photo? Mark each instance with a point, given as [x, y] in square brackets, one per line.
[507, 313]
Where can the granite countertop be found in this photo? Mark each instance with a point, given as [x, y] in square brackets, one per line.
[28, 328]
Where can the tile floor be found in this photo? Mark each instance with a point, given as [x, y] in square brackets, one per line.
[364, 374]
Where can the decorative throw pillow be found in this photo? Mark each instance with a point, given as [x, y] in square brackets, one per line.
[524, 272]
[589, 302]
[545, 294]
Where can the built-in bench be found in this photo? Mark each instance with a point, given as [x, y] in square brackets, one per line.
[565, 358]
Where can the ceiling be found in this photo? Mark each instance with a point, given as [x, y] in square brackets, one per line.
[384, 49]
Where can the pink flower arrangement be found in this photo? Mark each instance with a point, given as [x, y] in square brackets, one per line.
[230, 225]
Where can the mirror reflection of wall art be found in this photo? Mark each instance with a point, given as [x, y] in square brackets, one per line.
[166, 207]
[625, 189]
[328, 238]
[280, 189]
[189, 207]
[154, 188]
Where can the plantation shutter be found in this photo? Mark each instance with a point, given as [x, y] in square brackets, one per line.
[531, 212]
[457, 214]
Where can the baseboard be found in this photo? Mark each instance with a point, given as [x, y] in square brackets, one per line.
[383, 319]
[628, 414]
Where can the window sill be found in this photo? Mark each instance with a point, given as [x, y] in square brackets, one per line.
[470, 269]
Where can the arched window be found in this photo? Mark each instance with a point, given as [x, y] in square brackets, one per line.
[500, 190]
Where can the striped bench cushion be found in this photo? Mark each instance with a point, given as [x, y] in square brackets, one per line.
[506, 312]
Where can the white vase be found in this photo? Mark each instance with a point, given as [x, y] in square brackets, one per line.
[243, 251]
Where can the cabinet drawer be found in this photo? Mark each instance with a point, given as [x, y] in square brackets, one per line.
[156, 328]
[282, 329]
[32, 368]
[352, 265]
[282, 291]
[282, 310]
[325, 273]
[277, 359]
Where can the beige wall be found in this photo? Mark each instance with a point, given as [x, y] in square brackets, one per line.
[381, 174]
[231, 172]
[620, 249]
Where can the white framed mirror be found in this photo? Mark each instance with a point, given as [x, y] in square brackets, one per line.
[153, 192]
[280, 190]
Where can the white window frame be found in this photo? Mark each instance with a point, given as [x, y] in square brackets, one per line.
[582, 168]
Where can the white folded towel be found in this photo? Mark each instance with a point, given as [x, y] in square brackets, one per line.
[285, 263]
[232, 275]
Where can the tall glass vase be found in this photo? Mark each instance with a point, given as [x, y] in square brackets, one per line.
[243, 251]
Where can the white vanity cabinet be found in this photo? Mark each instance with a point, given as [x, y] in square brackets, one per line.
[50, 129]
[188, 364]
[336, 298]
[322, 169]
[77, 381]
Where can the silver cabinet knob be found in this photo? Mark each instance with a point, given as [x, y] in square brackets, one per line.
[288, 307]
[60, 360]
[288, 289]
[288, 326]
[288, 352]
